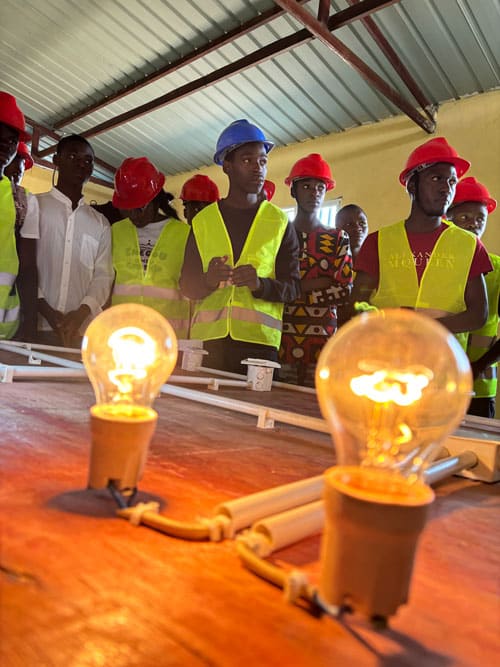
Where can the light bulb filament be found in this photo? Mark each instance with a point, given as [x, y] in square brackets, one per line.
[397, 386]
[133, 352]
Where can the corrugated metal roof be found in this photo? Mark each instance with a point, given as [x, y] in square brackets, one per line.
[59, 56]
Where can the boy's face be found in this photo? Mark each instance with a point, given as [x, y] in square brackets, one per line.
[470, 215]
[354, 222]
[15, 170]
[309, 193]
[246, 167]
[191, 208]
[9, 139]
[141, 216]
[75, 162]
[434, 188]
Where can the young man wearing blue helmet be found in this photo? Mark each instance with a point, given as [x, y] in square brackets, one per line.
[241, 261]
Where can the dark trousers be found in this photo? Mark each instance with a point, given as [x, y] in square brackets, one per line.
[482, 407]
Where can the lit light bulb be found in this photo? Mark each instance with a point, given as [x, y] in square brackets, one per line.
[129, 351]
[392, 385]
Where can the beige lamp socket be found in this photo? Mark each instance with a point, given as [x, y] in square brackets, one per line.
[120, 444]
[373, 522]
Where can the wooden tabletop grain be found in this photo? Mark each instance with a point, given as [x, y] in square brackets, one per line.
[82, 588]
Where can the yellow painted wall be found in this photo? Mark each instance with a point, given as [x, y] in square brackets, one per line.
[366, 162]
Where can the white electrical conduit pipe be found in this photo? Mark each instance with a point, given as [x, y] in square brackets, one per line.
[266, 415]
[242, 512]
[210, 382]
[280, 530]
[65, 363]
[39, 372]
[38, 346]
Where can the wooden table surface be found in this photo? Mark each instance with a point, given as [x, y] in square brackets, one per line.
[81, 588]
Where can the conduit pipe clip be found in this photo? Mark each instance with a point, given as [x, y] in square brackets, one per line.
[219, 527]
[139, 509]
[296, 586]
[264, 421]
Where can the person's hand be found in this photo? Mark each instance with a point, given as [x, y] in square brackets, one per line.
[71, 322]
[218, 271]
[246, 276]
[54, 317]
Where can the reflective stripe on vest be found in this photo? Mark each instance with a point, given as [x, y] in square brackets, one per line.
[480, 341]
[147, 290]
[442, 287]
[9, 263]
[158, 286]
[233, 310]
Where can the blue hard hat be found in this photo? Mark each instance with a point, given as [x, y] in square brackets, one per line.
[238, 133]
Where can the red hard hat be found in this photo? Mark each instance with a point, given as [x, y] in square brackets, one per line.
[11, 115]
[469, 189]
[269, 189]
[200, 188]
[311, 166]
[137, 182]
[433, 151]
[24, 152]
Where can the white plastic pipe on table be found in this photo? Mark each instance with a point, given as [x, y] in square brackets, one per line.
[242, 512]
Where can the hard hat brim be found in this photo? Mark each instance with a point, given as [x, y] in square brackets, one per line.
[221, 155]
[461, 165]
[329, 182]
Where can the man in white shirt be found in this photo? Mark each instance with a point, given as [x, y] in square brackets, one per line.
[74, 252]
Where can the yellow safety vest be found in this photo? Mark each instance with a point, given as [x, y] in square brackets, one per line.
[442, 288]
[231, 310]
[9, 266]
[158, 286]
[480, 341]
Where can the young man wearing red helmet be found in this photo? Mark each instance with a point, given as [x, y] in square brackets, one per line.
[325, 270]
[148, 244]
[19, 229]
[470, 209]
[423, 262]
[74, 252]
[241, 262]
[197, 192]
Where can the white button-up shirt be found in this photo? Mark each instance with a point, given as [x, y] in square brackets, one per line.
[73, 256]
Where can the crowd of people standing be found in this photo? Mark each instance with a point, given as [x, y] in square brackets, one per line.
[237, 274]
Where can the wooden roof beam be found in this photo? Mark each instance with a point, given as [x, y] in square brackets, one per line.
[320, 31]
[391, 55]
